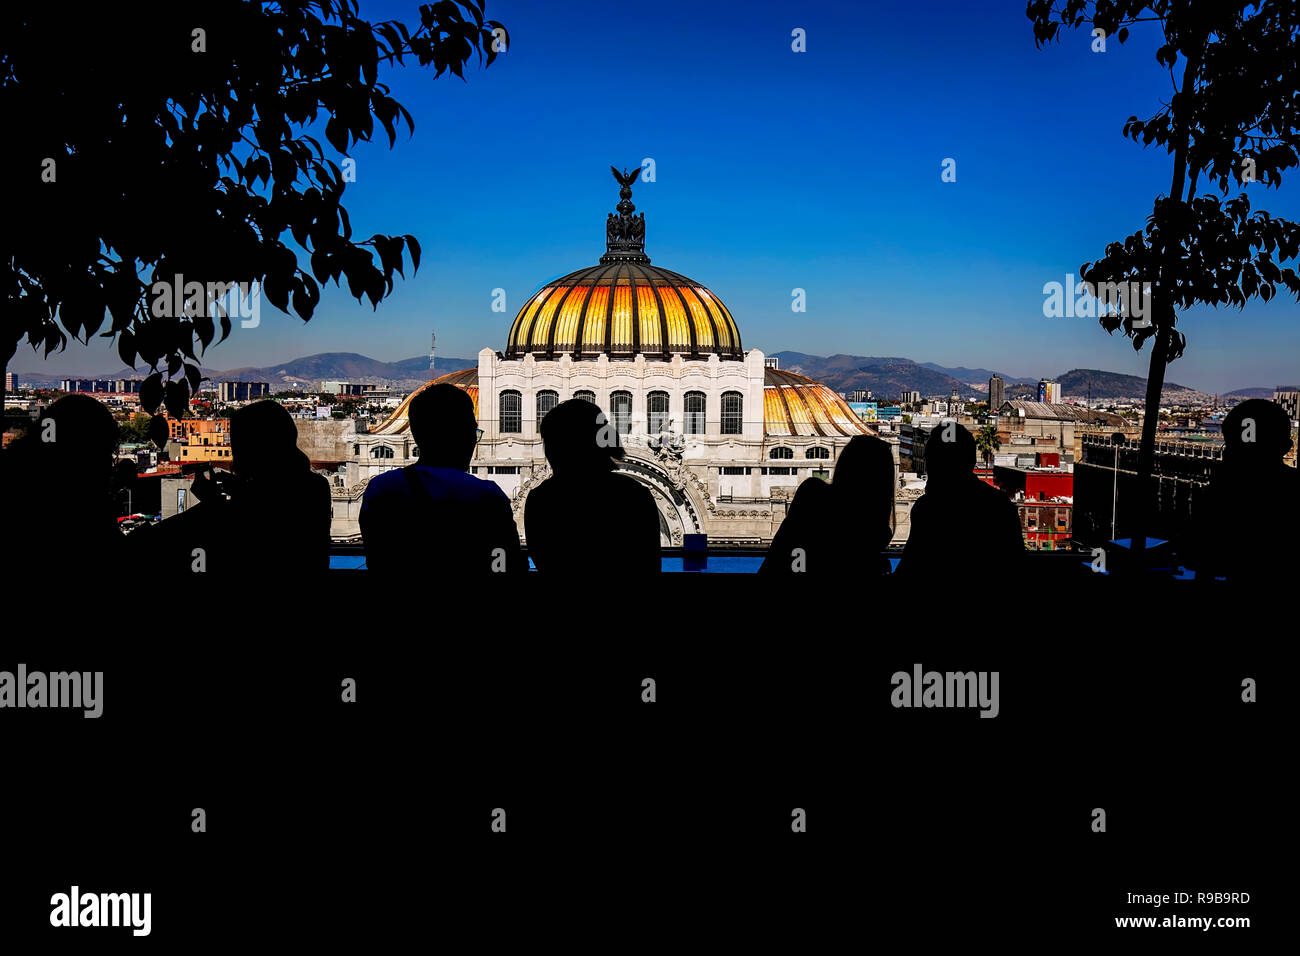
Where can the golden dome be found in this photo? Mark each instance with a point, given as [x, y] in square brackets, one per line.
[795, 405]
[624, 308]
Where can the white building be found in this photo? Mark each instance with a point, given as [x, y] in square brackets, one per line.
[719, 435]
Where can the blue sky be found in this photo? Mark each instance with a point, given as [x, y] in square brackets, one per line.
[778, 170]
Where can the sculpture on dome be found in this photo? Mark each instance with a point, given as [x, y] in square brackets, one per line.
[625, 233]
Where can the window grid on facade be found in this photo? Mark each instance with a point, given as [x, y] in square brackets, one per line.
[732, 413]
[817, 452]
[781, 452]
[694, 421]
[585, 396]
[546, 400]
[657, 411]
[511, 412]
[621, 403]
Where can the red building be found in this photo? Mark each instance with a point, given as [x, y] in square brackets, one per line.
[1045, 501]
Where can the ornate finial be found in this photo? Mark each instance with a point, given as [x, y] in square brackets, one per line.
[625, 233]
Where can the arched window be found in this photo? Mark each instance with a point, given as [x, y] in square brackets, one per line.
[381, 451]
[585, 396]
[733, 407]
[545, 402]
[817, 451]
[512, 413]
[621, 402]
[415, 451]
[780, 452]
[694, 423]
[657, 411]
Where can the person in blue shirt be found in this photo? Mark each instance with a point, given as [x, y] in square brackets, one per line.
[433, 516]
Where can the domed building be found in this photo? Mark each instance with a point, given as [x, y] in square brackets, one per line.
[719, 435]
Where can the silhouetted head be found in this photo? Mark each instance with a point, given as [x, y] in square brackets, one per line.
[264, 441]
[78, 432]
[864, 477]
[1256, 433]
[950, 453]
[578, 438]
[443, 426]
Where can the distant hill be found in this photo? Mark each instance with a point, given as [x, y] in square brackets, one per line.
[1257, 391]
[886, 377]
[308, 371]
[348, 367]
[889, 377]
[978, 376]
[1115, 385]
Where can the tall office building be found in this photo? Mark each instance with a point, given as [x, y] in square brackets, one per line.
[997, 392]
[242, 391]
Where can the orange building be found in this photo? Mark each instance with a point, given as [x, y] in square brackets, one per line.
[179, 429]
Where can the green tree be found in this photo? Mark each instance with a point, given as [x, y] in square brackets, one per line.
[1231, 121]
[987, 442]
[135, 429]
[157, 140]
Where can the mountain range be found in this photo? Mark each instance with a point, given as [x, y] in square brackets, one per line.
[887, 377]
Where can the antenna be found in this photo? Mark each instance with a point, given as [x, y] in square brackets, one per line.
[433, 353]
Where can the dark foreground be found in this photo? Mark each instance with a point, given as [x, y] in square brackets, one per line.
[628, 822]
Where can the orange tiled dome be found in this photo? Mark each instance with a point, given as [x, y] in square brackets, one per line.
[795, 405]
[624, 308]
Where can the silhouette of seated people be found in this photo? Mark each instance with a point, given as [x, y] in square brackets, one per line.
[1244, 527]
[58, 485]
[272, 515]
[840, 527]
[585, 519]
[961, 524]
[433, 516]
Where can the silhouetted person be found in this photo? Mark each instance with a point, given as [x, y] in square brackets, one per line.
[1244, 527]
[585, 519]
[960, 525]
[58, 489]
[281, 507]
[434, 517]
[840, 527]
[272, 515]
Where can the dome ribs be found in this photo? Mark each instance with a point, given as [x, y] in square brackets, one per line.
[687, 321]
[645, 311]
[562, 311]
[665, 335]
[609, 317]
[600, 297]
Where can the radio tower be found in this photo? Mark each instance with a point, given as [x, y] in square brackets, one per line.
[433, 352]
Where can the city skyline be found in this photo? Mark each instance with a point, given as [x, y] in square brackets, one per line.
[776, 170]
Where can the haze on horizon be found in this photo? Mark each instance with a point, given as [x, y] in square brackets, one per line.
[775, 170]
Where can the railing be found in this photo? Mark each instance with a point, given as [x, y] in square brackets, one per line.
[351, 557]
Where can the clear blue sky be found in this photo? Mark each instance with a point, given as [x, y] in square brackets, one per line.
[776, 170]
